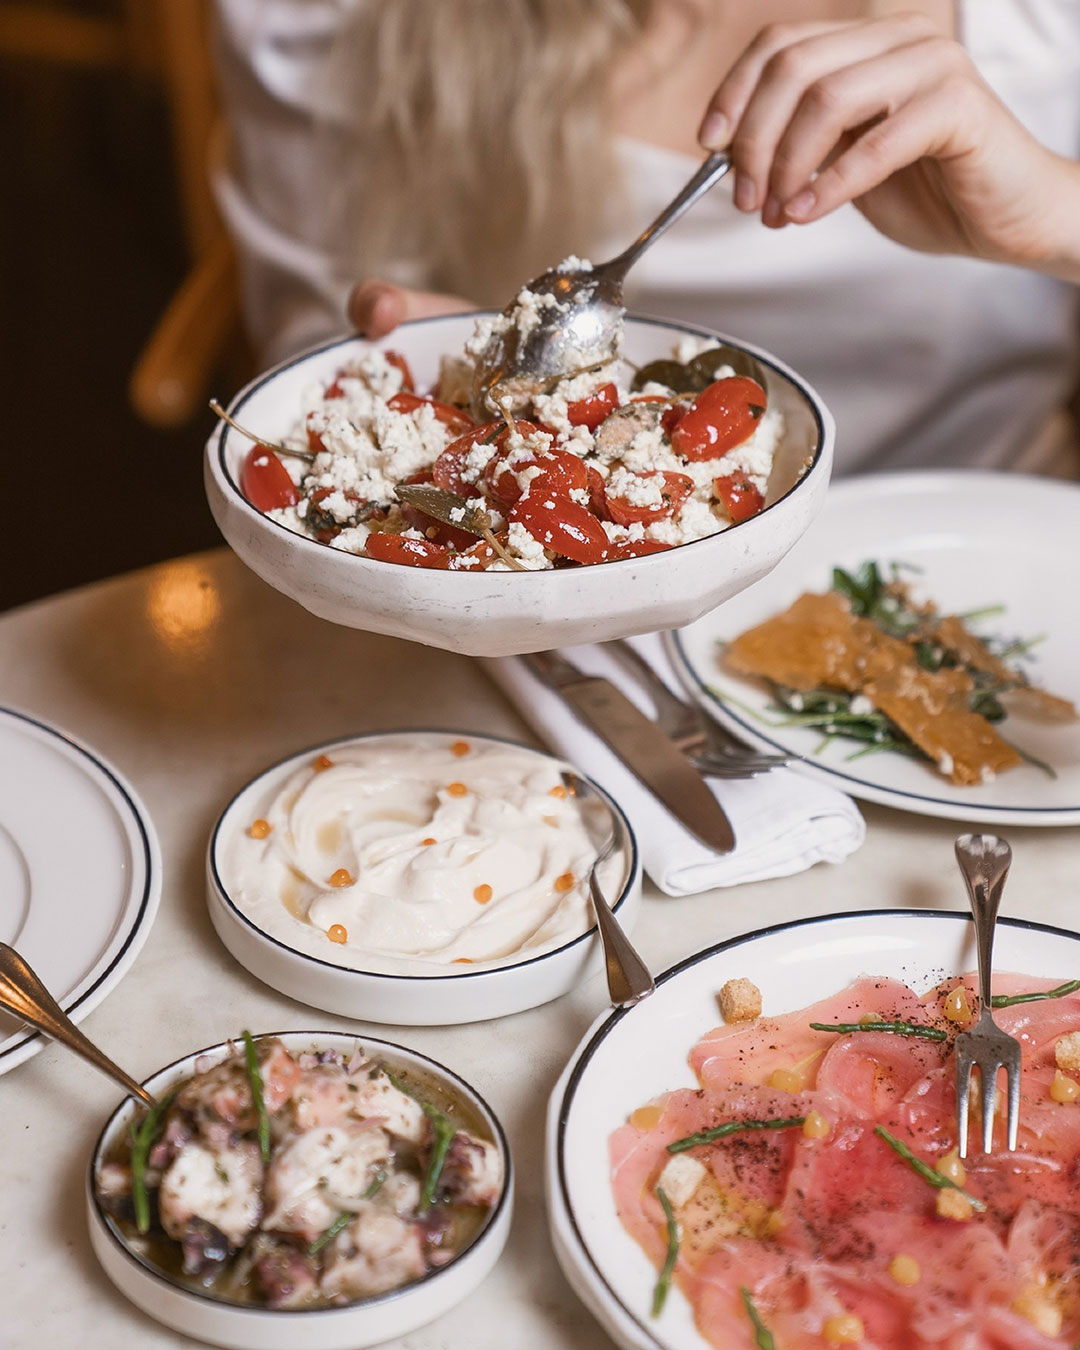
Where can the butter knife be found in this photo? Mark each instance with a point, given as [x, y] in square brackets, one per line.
[641, 746]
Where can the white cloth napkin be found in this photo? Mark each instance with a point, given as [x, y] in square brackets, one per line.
[783, 822]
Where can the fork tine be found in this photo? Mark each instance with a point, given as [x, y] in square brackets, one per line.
[988, 1071]
[963, 1093]
[1012, 1072]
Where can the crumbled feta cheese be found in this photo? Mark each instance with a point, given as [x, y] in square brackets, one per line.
[689, 347]
[351, 540]
[528, 551]
[580, 495]
[574, 264]
[645, 490]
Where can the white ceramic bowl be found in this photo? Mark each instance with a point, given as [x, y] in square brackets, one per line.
[503, 613]
[461, 995]
[240, 1326]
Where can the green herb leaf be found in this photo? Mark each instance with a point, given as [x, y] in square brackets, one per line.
[251, 1061]
[663, 1284]
[924, 1170]
[142, 1140]
[763, 1337]
[1007, 1000]
[443, 1131]
[897, 1028]
[325, 1238]
[733, 1127]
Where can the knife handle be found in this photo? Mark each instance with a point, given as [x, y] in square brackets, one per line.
[628, 977]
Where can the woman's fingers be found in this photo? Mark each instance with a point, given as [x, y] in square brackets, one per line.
[376, 308]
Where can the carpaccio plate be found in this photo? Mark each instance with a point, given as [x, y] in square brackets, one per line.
[631, 1056]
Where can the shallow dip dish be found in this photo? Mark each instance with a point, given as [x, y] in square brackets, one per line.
[248, 1326]
[493, 613]
[299, 959]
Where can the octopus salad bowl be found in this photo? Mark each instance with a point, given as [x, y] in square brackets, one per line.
[489, 610]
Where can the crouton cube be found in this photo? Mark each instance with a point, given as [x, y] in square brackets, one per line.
[740, 1001]
[1067, 1052]
[680, 1178]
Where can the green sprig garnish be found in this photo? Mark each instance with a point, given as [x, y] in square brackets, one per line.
[325, 1238]
[251, 1061]
[663, 1283]
[141, 1143]
[1007, 1000]
[896, 1028]
[733, 1127]
[924, 1170]
[443, 1131]
[763, 1337]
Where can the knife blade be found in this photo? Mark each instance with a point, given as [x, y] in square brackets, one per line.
[641, 746]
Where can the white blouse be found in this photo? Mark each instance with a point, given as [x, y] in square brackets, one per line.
[923, 359]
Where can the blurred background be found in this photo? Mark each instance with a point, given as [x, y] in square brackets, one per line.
[118, 311]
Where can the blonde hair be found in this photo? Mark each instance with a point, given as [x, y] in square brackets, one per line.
[482, 146]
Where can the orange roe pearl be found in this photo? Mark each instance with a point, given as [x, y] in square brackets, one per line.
[557, 791]
[323, 762]
[482, 894]
[337, 932]
[565, 882]
[456, 789]
[260, 828]
[342, 877]
[428, 841]
[460, 748]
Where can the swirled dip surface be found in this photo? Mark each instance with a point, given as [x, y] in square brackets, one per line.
[414, 854]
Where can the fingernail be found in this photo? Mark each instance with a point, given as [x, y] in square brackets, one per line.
[715, 131]
[771, 213]
[745, 193]
[801, 204]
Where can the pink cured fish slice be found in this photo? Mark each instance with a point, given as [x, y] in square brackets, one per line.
[750, 1052]
[871, 1073]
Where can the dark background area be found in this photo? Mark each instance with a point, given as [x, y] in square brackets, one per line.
[91, 250]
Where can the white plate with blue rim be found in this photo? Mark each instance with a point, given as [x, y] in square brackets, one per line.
[969, 541]
[80, 870]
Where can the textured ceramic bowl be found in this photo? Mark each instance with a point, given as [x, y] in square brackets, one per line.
[462, 994]
[504, 613]
[240, 1326]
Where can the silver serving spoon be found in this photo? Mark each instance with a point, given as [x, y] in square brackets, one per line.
[628, 977]
[24, 996]
[582, 325]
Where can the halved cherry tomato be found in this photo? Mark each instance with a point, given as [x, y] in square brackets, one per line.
[674, 490]
[456, 419]
[740, 496]
[720, 418]
[396, 360]
[398, 548]
[481, 550]
[590, 412]
[635, 548]
[265, 481]
[321, 523]
[671, 417]
[560, 472]
[447, 468]
[334, 390]
[597, 495]
[565, 527]
[314, 438]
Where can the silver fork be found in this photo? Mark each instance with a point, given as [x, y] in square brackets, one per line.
[984, 860]
[711, 749]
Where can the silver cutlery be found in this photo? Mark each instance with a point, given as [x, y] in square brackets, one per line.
[628, 977]
[641, 745]
[984, 860]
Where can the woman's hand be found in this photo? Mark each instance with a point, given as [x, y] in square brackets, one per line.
[892, 116]
[376, 308]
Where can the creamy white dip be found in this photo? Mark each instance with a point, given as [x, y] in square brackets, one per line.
[419, 855]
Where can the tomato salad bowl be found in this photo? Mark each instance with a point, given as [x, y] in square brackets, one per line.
[603, 553]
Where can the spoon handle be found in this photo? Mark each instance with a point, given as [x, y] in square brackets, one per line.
[628, 977]
[710, 172]
[984, 861]
[23, 994]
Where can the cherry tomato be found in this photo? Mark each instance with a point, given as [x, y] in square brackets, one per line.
[671, 417]
[314, 439]
[741, 497]
[635, 548]
[435, 530]
[597, 496]
[321, 523]
[334, 390]
[590, 412]
[481, 550]
[396, 360]
[674, 490]
[455, 419]
[397, 548]
[560, 472]
[447, 469]
[567, 528]
[720, 418]
[265, 481]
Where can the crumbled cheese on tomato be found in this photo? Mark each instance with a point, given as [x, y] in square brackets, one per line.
[580, 495]
[755, 456]
[551, 407]
[351, 540]
[578, 440]
[694, 521]
[636, 489]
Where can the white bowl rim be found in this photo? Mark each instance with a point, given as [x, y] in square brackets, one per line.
[429, 981]
[251, 1310]
[584, 1052]
[222, 429]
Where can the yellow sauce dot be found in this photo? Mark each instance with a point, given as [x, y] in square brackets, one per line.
[953, 1205]
[427, 842]
[323, 762]
[1037, 1309]
[786, 1080]
[460, 748]
[957, 1006]
[843, 1329]
[565, 882]
[342, 877]
[557, 791]
[1064, 1089]
[949, 1165]
[815, 1126]
[260, 828]
[646, 1117]
[456, 789]
[482, 894]
[904, 1269]
[337, 932]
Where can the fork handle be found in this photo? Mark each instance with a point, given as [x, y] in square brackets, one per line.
[984, 861]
